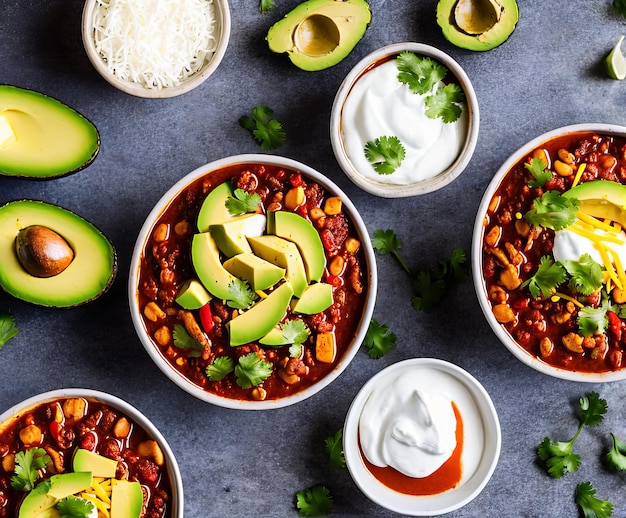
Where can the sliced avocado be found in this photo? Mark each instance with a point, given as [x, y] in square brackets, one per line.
[66, 484]
[213, 209]
[35, 503]
[295, 228]
[43, 138]
[601, 199]
[318, 34]
[275, 338]
[231, 236]
[98, 465]
[260, 318]
[90, 273]
[316, 298]
[259, 273]
[206, 261]
[477, 24]
[126, 499]
[192, 295]
[285, 254]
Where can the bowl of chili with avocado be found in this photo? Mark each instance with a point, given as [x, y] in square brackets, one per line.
[549, 250]
[252, 282]
[84, 451]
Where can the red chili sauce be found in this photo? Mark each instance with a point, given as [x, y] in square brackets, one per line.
[62, 426]
[445, 478]
[167, 264]
[512, 250]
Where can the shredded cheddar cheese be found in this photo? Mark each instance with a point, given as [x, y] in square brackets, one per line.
[156, 43]
[579, 173]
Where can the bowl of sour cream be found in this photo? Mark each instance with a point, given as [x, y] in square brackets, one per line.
[404, 121]
[422, 437]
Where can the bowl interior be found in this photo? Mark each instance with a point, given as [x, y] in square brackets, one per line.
[222, 37]
[387, 190]
[370, 284]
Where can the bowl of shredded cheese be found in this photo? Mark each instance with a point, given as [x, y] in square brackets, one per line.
[155, 48]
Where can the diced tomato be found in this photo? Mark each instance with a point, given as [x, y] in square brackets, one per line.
[521, 304]
[57, 431]
[296, 180]
[334, 280]
[206, 318]
[303, 211]
[615, 325]
[327, 239]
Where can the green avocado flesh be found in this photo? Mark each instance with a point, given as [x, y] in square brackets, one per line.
[318, 34]
[88, 276]
[42, 138]
[497, 34]
[601, 199]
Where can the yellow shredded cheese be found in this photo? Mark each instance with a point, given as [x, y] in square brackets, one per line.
[558, 295]
[579, 173]
[156, 43]
[594, 222]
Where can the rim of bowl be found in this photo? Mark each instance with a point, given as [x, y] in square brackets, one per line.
[129, 87]
[425, 186]
[477, 261]
[133, 282]
[431, 505]
[175, 478]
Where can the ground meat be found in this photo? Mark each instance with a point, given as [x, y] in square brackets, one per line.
[338, 227]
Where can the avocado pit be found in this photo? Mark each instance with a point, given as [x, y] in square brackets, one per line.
[317, 35]
[42, 252]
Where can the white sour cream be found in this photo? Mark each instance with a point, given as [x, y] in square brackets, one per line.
[569, 245]
[379, 105]
[407, 426]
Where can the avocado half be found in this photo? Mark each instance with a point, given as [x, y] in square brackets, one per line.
[41, 137]
[90, 274]
[318, 34]
[487, 23]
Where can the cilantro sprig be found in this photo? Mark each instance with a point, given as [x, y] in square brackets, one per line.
[315, 501]
[243, 202]
[265, 6]
[553, 211]
[8, 328]
[221, 367]
[559, 456]
[378, 339]
[250, 370]
[385, 154]
[334, 448]
[183, 340]
[72, 507]
[541, 174]
[267, 132]
[546, 279]
[616, 456]
[27, 465]
[241, 295]
[590, 504]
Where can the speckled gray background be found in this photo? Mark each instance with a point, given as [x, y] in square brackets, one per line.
[235, 463]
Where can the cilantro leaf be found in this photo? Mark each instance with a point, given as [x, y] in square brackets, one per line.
[619, 7]
[295, 331]
[27, 465]
[592, 321]
[267, 132]
[334, 448]
[295, 350]
[240, 293]
[419, 73]
[559, 456]
[378, 340]
[221, 367]
[7, 327]
[252, 370]
[266, 6]
[541, 174]
[553, 211]
[548, 276]
[616, 456]
[385, 154]
[431, 285]
[72, 507]
[386, 242]
[592, 506]
[242, 202]
[444, 103]
[183, 340]
[315, 501]
[586, 274]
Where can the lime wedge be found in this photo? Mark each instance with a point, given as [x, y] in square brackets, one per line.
[615, 63]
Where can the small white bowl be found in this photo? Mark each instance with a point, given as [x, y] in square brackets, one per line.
[477, 258]
[369, 282]
[390, 190]
[16, 412]
[479, 419]
[223, 22]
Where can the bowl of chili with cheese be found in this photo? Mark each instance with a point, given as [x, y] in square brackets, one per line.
[253, 281]
[549, 253]
[85, 451]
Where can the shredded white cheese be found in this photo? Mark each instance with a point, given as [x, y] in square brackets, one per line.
[156, 43]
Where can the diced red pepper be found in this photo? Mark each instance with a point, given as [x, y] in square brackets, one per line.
[334, 280]
[303, 211]
[206, 318]
[521, 304]
[296, 180]
[327, 239]
[615, 325]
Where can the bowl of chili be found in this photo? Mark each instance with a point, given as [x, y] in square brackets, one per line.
[253, 282]
[548, 253]
[78, 432]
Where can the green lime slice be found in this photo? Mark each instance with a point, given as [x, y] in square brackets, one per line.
[615, 63]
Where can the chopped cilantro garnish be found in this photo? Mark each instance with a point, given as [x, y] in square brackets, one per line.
[252, 370]
[540, 173]
[266, 6]
[27, 465]
[334, 448]
[548, 276]
[444, 103]
[586, 274]
[7, 327]
[268, 132]
[386, 242]
[378, 339]
[590, 504]
[221, 367]
[315, 501]
[243, 202]
[183, 340]
[240, 293]
[616, 457]
[295, 331]
[553, 211]
[592, 321]
[72, 507]
[419, 73]
[385, 154]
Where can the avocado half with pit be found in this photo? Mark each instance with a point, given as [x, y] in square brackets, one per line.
[50, 256]
[41, 137]
[318, 34]
[477, 24]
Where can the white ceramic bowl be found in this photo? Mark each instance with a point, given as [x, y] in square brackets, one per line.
[175, 479]
[389, 190]
[479, 420]
[222, 36]
[369, 283]
[477, 258]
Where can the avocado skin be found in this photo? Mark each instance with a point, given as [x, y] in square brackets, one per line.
[39, 166]
[480, 42]
[89, 276]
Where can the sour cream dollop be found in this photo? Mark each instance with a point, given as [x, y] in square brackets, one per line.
[379, 105]
[409, 425]
[568, 245]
